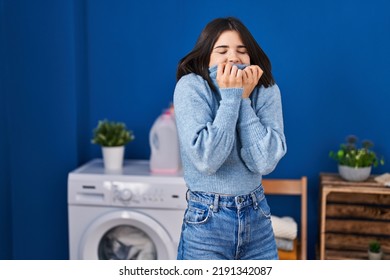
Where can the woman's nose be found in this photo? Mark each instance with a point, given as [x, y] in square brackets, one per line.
[232, 58]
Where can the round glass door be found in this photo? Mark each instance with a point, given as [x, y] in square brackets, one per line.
[126, 235]
[126, 243]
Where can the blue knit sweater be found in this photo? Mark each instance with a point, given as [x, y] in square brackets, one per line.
[226, 142]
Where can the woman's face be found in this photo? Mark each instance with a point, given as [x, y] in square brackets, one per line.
[229, 48]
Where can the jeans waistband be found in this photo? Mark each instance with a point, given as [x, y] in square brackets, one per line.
[216, 200]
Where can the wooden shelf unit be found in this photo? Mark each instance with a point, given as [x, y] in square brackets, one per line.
[352, 214]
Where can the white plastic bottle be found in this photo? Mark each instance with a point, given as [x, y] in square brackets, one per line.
[164, 145]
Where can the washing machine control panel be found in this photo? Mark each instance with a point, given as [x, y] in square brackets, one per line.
[141, 194]
[136, 191]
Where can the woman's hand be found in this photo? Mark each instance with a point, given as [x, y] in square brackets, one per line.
[250, 77]
[229, 76]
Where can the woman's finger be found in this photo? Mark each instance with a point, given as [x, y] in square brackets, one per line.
[220, 69]
[228, 69]
[233, 71]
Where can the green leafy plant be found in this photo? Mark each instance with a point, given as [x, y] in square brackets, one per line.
[350, 154]
[111, 134]
[374, 246]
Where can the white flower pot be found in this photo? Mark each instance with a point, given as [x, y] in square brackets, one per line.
[113, 157]
[354, 174]
[375, 256]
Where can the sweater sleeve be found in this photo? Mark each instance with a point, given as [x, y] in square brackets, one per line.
[261, 131]
[206, 136]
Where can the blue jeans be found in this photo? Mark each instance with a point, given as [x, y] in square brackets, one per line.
[227, 228]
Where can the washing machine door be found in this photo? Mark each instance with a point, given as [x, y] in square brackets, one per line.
[126, 235]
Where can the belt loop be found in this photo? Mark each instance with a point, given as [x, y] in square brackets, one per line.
[254, 201]
[188, 194]
[216, 203]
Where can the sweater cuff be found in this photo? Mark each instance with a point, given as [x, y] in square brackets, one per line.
[231, 94]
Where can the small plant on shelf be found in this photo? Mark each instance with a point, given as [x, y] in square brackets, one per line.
[349, 154]
[374, 246]
[355, 162]
[374, 250]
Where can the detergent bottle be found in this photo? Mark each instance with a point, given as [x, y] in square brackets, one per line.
[164, 144]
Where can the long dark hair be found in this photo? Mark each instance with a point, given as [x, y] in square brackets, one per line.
[197, 61]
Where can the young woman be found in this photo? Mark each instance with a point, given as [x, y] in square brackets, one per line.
[229, 118]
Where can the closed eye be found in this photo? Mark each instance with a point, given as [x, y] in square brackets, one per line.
[221, 49]
[242, 50]
[224, 49]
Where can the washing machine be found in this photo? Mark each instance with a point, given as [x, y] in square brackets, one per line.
[127, 214]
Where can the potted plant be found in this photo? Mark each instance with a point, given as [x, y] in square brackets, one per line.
[112, 136]
[374, 250]
[355, 163]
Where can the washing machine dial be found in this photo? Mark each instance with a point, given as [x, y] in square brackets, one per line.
[125, 195]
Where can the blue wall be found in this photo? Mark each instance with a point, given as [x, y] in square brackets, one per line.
[5, 214]
[67, 64]
[40, 117]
